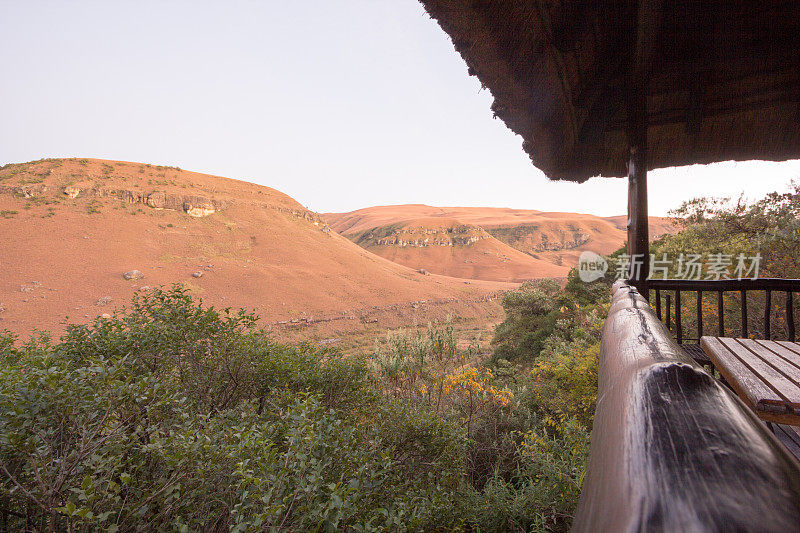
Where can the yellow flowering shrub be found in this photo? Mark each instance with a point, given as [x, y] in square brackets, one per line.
[476, 385]
[566, 384]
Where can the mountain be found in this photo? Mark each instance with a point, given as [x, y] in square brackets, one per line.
[73, 227]
[507, 244]
[452, 248]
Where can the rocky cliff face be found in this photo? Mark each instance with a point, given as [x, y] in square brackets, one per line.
[422, 236]
[531, 238]
[193, 205]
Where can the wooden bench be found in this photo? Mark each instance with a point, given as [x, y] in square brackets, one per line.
[765, 374]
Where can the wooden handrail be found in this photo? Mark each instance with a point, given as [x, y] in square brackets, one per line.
[742, 286]
[672, 449]
[747, 284]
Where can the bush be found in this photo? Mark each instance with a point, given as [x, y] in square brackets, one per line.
[175, 416]
[541, 315]
[172, 415]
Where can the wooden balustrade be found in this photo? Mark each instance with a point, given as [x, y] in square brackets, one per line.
[672, 448]
[742, 286]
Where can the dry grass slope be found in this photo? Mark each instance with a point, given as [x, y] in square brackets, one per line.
[72, 227]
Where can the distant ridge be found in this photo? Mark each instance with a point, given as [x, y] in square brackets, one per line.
[520, 244]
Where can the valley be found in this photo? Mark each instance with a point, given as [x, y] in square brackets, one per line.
[492, 244]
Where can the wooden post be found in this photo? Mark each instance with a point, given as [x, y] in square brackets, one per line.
[669, 315]
[658, 304]
[744, 313]
[678, 317]
[638, 230]
[767, 314]
[699, 315]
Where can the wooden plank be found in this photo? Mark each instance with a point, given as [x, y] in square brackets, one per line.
[778, 373]
[696, 353]
[793, 432]
[786, 436]
[748, 385]
[796, 431]
[791, 345]
[786, 352]
[788, 418]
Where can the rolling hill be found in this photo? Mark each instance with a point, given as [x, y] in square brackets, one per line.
[73, 227]
[515, 244]
[452, 248]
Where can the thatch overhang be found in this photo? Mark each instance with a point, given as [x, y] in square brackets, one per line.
[721, 77]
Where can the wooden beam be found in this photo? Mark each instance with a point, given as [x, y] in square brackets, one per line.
[638, 223]
[672, 448]
[648, 15]
[678, 115]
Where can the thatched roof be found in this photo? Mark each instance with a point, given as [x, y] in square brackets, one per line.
[722, 77]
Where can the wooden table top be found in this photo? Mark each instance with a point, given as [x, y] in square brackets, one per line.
[765, 374]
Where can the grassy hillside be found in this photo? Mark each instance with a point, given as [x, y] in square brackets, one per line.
[452, 248]
[73, 227]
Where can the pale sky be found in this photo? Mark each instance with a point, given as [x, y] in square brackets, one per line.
[340, 104]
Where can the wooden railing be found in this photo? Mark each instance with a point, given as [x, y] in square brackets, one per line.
[720, 287]
[672, 448]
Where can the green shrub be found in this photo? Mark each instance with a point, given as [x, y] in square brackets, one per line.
[541, 313]
[174, 416]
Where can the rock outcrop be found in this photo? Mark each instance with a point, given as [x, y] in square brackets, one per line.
[532, 238]
[423, 236]
[195, 206]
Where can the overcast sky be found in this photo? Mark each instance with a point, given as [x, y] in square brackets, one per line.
[341, 104]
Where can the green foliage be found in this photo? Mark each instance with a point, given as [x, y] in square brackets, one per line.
[171, 414]
[522, 459]
[405, 355]
[564, 381]
[175, 416]
[769, 227]
[543, 489]
[540, 314]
